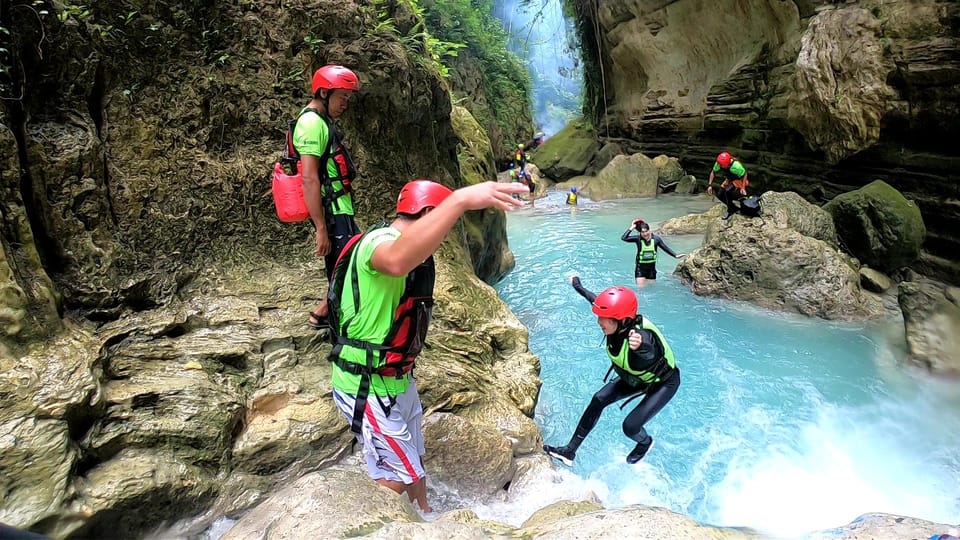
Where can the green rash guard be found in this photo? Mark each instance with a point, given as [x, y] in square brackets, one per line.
[379, 297]
[311, 137]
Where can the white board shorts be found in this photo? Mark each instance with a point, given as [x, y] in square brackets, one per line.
[392, 444]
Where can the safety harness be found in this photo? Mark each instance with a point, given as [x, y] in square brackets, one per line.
[396, 356]
[346, 169]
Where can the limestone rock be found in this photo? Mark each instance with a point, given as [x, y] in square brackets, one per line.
[36, 459]
[518, 428]
[472, 459]
[326, 504]
[486, 229]
[766, 262]
[879, 226]
[560, 510]
[568, 153]
[642, 522]
[881, 526]
[873, 280]
[625, 176]
[931, 316]
[692, 223]
[670, 171]
[604, 156]
[687, 185]
[840, 82]
[114, 494]
[28, 299]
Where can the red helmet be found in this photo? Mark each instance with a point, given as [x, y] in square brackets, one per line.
[331, 77]
[724, 159]
[616, 303]
[420, 194]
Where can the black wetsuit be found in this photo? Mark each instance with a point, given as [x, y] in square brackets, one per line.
[646, 269]
[655, 395]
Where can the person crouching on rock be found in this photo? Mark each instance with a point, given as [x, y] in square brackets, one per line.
[735, 181]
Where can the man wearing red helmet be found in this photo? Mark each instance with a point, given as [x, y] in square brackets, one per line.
[381, 313]
[734, 179]
[328, 168]
[644, 364]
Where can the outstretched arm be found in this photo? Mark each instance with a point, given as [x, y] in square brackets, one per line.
[590, 296]
[662, 245]
[419, 240]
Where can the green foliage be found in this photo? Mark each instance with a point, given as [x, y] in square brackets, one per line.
[471, 25]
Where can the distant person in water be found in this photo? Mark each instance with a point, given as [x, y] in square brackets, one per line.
[647, 245]
[735, 181]
[572, 196]
[644, 364]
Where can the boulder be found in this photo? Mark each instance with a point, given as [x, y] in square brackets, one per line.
[692, 223]
[568, 153]
[472, 459]
[625, 177]
[327, 504]
[605, 155]
[879, 226]
[769, 262]
[931, 317]
[873, 280]
[840, 90]
[687, 185]
[642, 522]
[669, 170]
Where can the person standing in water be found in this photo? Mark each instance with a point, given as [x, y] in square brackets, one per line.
[572, 196]
[644, 364]
[647, 245]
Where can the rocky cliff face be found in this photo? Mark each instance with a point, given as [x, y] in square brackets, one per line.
[815, 97]
[139, 147]
[153, 351]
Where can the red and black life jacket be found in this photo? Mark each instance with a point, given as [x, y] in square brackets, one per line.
[336, 150]
[397, 355]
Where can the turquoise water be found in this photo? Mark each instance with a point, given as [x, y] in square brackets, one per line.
[782, 423]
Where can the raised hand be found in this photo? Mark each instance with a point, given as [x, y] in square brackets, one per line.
[490, 195]
[635, 340]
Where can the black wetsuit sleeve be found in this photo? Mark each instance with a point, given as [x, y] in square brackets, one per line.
[650, 352]
[664, 247]
[631, 239]
[583, 291]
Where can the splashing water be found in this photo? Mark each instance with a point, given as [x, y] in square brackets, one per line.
[782, 423]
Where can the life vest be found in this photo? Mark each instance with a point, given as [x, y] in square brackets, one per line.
[571, 198]
[288, 174]
[520, 157]
[660, 370]
[647, 253]
[396, 356]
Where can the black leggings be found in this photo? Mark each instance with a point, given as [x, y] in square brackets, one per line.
[727, 196]
[655, 398]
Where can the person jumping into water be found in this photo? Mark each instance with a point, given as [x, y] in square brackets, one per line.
[645, 366]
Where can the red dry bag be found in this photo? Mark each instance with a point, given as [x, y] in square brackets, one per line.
[288, 194]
